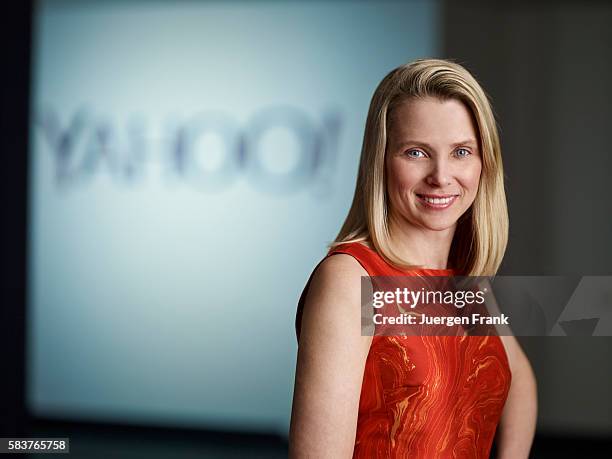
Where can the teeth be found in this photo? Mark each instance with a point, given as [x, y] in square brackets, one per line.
[437, 200]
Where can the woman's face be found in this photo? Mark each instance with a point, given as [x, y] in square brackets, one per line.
[433, 162]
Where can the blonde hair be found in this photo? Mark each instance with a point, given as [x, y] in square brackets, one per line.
[481, 235]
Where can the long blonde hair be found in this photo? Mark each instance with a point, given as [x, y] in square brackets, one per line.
[481, 235]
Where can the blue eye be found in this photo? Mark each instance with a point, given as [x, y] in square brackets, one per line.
[466, 151]
[409, 153]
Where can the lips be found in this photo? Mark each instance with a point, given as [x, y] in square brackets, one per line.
[437, 201]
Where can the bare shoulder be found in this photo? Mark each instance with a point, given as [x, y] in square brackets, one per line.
[333, 302]
[339, 268]
[336, 285]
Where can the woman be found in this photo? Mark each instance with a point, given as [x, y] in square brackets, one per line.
[429, 200]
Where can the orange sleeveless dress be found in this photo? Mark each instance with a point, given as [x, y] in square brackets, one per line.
[426, 396]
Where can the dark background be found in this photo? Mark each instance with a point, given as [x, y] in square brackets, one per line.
[547, 68]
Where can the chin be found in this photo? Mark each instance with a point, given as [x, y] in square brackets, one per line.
[439, 225]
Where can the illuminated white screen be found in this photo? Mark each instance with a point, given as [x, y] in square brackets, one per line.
[189, 163]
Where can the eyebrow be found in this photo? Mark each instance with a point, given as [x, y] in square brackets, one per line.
[469, 142]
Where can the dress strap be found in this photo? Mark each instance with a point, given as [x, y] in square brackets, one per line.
[367, 258]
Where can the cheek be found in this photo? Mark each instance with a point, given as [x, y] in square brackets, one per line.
[401, 177]
[471, 178]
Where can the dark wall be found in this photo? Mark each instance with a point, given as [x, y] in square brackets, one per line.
[14, 87]
[547, 69]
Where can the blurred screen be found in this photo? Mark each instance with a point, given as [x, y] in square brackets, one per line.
[189, 163]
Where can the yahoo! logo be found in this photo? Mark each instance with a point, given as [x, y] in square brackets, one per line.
[209, 151]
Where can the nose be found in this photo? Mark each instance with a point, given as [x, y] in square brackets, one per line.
[439, 175]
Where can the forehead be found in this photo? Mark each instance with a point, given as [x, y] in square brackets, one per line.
[432, 120]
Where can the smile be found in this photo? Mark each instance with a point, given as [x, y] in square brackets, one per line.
[438, 202]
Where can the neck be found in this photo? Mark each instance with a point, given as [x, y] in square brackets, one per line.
[421, 246]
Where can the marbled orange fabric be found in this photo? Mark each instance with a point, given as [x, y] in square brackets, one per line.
[426, 396]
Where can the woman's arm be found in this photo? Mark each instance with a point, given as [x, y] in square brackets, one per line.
[518, 421]
[330, 363]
